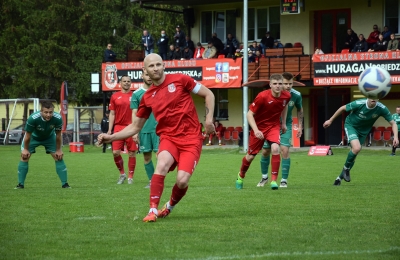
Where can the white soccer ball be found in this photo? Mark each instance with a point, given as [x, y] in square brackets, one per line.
[374, 83]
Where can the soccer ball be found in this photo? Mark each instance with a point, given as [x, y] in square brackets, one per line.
[374, 83]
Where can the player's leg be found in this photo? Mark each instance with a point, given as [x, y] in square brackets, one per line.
[265, 160]
[61, 169]
[23, 165]
[275, 164]
[394, 147]
[148, 144]
[189, 155]
[166, 162]
[285, 145]
[132, 150]
[219, 138]
[255, 146]
[210, 137]
[117, 146]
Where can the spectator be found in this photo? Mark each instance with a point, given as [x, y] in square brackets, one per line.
[189, 43]
[187, 53]
[230, 46]
[258, 56]
[361, 45]
[393, 44]
[148, 43]
[380, 45]
[104, 126]
[373, 37]
[252, 51]
[179, 37]
[386, 33]
[171, 52]
[351, 39]
[277, 44]
[267, 42]
[109, 55]
[218, 133]
[178, 55]
[162, 44]
[217, 43]
[318, 51]
[210, 52]
[198, 53]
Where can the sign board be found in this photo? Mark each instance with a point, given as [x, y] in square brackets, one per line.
[290, 6]
[344, 68]
[212, 73]
[295, 130]
[320, 151]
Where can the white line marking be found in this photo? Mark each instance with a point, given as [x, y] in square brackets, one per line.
[91, 218]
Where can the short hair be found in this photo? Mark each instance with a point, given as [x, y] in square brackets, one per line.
[275, 77]
[123, 76]
[47, 104]
[361, 35]
[287, 75]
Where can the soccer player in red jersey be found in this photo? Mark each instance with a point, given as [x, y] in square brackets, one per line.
[120, 117]
[169, 98]
[264, 117]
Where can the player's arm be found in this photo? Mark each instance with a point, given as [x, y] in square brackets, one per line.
[253, 125]
[395, 131]
[300, 117]
[209, 99]
[128, 131]
[59, 152]
[25, 154]
[135, 137]
[111, 119]
[283, 118]
[337, 113]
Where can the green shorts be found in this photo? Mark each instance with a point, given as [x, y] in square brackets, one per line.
[149, 142]
[49, 144]
[286, 139]
[353, 134]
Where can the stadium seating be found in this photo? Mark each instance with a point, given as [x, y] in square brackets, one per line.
[239, 129]
[345, 51]
[377, 136]
[227, 136]
[230, 128]
[389, 128]
[387, 136]
[380, 128]
[221, 56]
[235, 136]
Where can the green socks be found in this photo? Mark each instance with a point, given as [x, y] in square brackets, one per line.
[149, 169]
[285, 168]
[351, 157]
[264, 166]
[22, 171]
[61, 170]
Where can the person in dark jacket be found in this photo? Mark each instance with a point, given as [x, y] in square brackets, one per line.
[162, 44]
[230, 46]
[351, 39]
[361, 45]
[109, 55]
[104, 127]
[187, 53]
[178, 55]
[148, 42]
[179, 37]
[217, 43]
[189, 43]
[267, 42]
[171, 52]
[380, 45]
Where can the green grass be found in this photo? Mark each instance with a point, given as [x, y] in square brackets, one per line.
[98, 219]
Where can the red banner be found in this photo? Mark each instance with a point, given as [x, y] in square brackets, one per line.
[64, 104]
[212, 73]
[345, 68]
[295, 130]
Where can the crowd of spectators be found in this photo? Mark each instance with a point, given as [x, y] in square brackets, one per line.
[376, 41]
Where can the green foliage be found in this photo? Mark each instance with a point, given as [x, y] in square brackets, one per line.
[43, 43]
[98, 219]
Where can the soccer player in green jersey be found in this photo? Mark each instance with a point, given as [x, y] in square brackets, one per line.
[396, 118]
[148, 139]
[286, 138]
[43, 128]
[363, 114]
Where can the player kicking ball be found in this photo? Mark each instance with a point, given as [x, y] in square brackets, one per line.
[264, 117]
[43, 128]
[358, 124]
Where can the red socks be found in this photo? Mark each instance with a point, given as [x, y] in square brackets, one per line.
[156, 190]
[245, 166]
[119, 162]
[275, 163]
[131, 166]
[177, 195]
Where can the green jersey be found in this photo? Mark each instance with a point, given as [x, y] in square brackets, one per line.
[295, 101]
[151, 123]
[363, 118]
[41, 129]
[396, 118]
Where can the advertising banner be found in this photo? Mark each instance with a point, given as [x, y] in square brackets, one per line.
[212, 73]
[345, 68]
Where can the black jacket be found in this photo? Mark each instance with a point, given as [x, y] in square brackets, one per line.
[178, 55]
[351, 40]
[360, 46]
[104, 124]
[190, 44]
[150, 41]
[268, 42]
[180, 38]
[187, 55]
[381, 45]
[109, 56]
[162, 44]
[217, 44]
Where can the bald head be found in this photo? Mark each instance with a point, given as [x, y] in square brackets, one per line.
[154, 66]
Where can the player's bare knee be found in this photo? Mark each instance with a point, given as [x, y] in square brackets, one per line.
[147, 157]
[116, 153]
[250, 157]
[132, 153]
[265, 152]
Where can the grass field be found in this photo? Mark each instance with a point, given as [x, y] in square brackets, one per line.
[98, 219]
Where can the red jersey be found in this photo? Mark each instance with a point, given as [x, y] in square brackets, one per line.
[267, 109]
[121, 104]
[172, 106]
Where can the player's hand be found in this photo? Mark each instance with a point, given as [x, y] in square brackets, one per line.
[284, 128]
[210, 128]
[25, 154]
[59, 155]
[135, 138]
[103, 138]
[327, 123]
[109, 132]
[395, 142]
[299, 133]
[259, 135]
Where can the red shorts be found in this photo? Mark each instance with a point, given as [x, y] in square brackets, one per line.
[119, 144]
[186, 152]
[271, 136]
